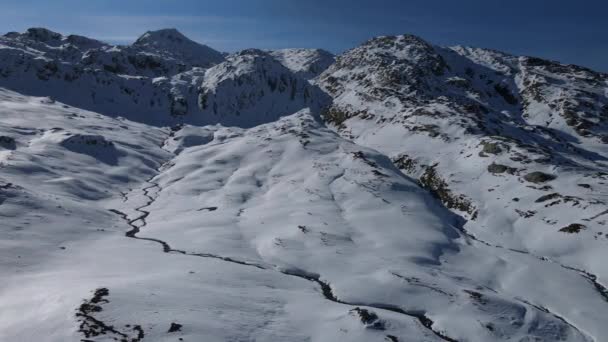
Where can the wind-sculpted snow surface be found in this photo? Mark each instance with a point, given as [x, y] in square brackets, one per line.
[443, 195]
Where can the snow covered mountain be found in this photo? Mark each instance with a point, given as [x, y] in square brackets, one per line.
[161, 73]
[530, 134]
[401, 191]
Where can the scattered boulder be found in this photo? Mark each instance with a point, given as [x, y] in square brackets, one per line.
[490, 148]
[8, 142]
[207, 209]
[499, 168]
[525, 214]
[573, 228]
[548, 197]
[174, 327]
[539, 177]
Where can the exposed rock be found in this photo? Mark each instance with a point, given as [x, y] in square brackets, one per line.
[573, 228]
[499, 168]
[7, 142]
[506, 94]
[436, 185]
[369, 318]
[548, 197]
[87, 139]
[491, 148]
[174, 327]
[539, 177]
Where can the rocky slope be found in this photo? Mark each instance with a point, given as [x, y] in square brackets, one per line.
[399, 192]
[529, 134]
[159, 78]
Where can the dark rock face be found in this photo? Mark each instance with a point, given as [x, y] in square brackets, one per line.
[506, 94]
[179, 106]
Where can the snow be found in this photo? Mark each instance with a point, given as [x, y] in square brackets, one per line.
[179, 47]
[505, 209]
[307, 63]
[253, 202]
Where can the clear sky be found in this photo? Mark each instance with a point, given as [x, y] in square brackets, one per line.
[571, 31]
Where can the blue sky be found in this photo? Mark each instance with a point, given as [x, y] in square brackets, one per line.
[568, 31]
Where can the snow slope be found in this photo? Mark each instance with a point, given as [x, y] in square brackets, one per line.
[231, 210]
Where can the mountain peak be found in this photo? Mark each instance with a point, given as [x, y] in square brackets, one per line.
[38, 34]
[392, 57]
[396, 42]
[167, 35]
[173, 42]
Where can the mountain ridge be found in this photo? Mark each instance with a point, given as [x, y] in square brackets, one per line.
[398, 191]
